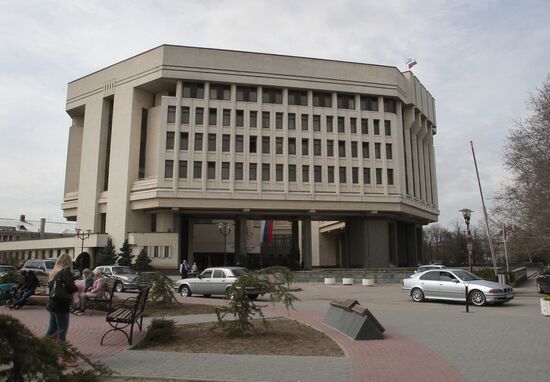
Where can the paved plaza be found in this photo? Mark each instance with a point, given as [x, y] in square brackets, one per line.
[423, 342]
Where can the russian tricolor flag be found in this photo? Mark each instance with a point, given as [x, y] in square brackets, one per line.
[410, 62]
[266, 231]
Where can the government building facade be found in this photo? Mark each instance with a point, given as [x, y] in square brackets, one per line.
[166, 146]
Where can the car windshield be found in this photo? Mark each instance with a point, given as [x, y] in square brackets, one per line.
[123, 271]
[466, 276]
[239, 271]
[6, 269]
[49, 264]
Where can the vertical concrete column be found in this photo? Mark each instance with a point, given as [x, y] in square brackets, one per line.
[285, 140]
[434, 177]
[295, 244]
[306, 243]
[399, 152]
[421, 165]
[240, 238]
[427, 165]
[189, 233]
[414, 143]
[175, 174]
[408, 121]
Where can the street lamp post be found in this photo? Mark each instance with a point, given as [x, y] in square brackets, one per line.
[467, 213]
[82, 235]
[225, 230]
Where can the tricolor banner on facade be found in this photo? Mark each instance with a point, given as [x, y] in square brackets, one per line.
[266, 231]
[410, 62]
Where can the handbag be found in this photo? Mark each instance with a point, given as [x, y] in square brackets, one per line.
[58, 291]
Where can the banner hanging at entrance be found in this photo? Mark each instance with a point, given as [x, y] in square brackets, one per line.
[266, 231]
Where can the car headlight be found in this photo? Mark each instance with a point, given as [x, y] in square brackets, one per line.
[495, 291]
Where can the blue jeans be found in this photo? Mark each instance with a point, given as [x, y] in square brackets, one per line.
[58, 326]
[24, 296]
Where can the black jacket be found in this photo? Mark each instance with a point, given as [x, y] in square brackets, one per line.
[60, 306]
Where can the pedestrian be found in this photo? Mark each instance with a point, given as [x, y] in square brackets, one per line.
[27, 291]
[61, 287]
[184, 269]
[194, 268]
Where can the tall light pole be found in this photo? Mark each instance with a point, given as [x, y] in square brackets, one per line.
[467, 213]
[82, 235]
[225, 230]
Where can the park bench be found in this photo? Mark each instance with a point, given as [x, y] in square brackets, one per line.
[105, 300]
[126, 314]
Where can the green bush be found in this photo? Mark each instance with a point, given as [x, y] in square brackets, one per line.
[485, 273]
[162, 288]
[10, 278]
[160, 331]
[142, 261]
[547, 298]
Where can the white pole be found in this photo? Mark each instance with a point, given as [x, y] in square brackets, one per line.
[485, 212]
[505, 250]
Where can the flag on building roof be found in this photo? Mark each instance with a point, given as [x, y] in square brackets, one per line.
[410, 62]
[266, 231]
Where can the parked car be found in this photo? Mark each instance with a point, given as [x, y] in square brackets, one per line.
[212, 281]
[543, 282]
[449, 284]
[5, 269]
[39, 267]
[124, 276]
[427, 267]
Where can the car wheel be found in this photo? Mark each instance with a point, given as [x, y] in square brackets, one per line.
[253, 297]
[206, 295]
[477, 298]
[185, 291]
[417, 295]
[119, 288]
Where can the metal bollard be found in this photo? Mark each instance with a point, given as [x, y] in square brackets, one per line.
[467, 302]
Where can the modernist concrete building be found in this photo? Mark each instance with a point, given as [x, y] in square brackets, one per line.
[180, 136]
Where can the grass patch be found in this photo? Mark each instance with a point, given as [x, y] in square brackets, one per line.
[283, 337]
[159, 332]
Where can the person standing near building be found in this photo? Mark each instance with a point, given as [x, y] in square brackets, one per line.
[194, 269]
[184, 269]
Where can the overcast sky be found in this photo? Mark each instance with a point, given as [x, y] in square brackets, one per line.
[479, 59]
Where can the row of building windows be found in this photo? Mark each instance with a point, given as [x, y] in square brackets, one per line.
[279, 169]
[266, 148]
[295, 96]
[267, 123]
[159, 251]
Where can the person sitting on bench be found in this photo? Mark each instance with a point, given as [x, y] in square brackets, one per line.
[26, 291]
[97, 290]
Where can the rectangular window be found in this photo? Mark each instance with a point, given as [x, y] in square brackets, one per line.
[225, 170]
[354, 149]
[364, 126]
[341, 149]
[156, 251]
[353, 125]
[226, 143]
[198, 141]
[390, 177]
[193, 90]
[279, 145]
[330, 174]
[378, 176]
[305, 146]
[305, 118]
[341, 125]
[291, 121]
[376, 127]
[226, 117]
[184, 141]
[369, 103]
[317, 147]
[366, 175]
[330, 148]
[316, 123]
[182, 169]
[265, 119]
[197, 170]
[211, 172]
[199, 116]
[239, 118]
[389, 105]
[345, 101]
[142, 143]
[171, 114]
[389, 154]
[185, 115]
[366, 153]
[321, 99]
[212, 116]
[252, 145]
[265, 145]
[220, 92]
[292, 173]
[377, 153]
[247, 93]
[305, 174]
[168, 169]
[252, 171]
[342, 175]
[292, 146]
[297, 97]
[253, 118]
[167, 251]
[355, 175]
[170, 140]
[211, 142]
[387, 128]
[329, 121]
[317, 174]
[238, 171]
[265, 172]
[239, 143]
[279, 172]
[278, 120]
[271, 95]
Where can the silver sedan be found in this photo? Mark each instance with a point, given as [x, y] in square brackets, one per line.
[212, 281]
[449, 284]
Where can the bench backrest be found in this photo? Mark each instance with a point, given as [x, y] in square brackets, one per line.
[141, 299]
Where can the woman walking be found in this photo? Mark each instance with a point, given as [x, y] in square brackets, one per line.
[61, 286]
